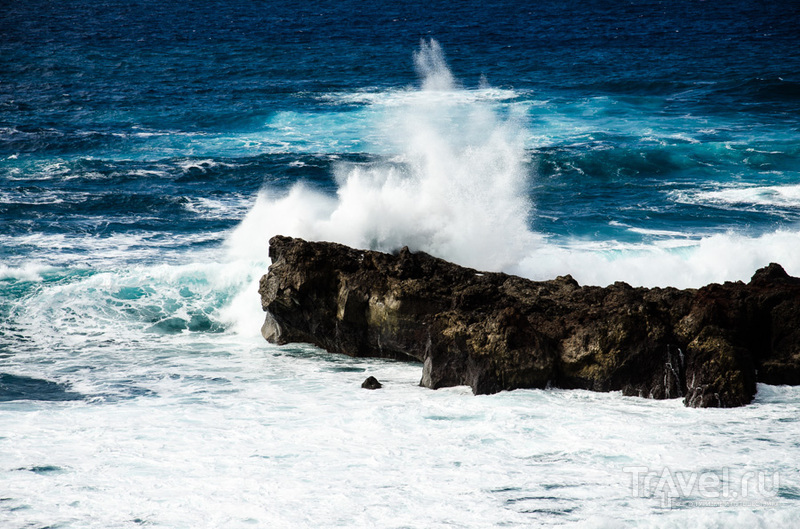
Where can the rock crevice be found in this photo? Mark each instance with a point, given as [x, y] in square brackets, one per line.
[494, 332]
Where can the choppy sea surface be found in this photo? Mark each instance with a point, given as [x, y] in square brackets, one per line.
[148, 150]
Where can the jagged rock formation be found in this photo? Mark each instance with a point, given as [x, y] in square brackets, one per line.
[493, 331]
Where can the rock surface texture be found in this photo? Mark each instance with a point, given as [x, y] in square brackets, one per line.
[494, 332]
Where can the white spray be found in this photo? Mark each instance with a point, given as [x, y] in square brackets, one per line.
[456, 189]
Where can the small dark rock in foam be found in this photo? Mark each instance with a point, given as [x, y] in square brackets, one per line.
[371, 383]
[496, 332]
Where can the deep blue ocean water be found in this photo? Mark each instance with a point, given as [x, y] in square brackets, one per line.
[148, 150]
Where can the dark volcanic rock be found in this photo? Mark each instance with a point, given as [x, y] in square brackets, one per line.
[493, 331]
[371, 383]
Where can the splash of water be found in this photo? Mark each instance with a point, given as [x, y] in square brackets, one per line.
[457, 189]
[432, 67]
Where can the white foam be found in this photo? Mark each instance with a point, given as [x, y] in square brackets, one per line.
[37, 199]
[679, 263]
[272, 437]
[201, 165]
[780, 196]
[56, 249]
[660, 233]
[131, 305]
[401, 97]
[229, 207]
[28, 271]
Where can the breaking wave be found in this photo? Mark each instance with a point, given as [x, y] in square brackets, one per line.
[457, 185]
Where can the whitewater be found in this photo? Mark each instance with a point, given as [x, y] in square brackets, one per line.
[136, 391]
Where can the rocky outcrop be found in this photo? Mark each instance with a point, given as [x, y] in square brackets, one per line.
[371, 383]
[494, 332]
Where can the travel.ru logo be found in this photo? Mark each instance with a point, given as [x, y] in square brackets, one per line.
[722, 487]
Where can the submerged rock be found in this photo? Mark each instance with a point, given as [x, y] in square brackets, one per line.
[494, 332]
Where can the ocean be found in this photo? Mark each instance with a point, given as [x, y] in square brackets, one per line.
[149, 149]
